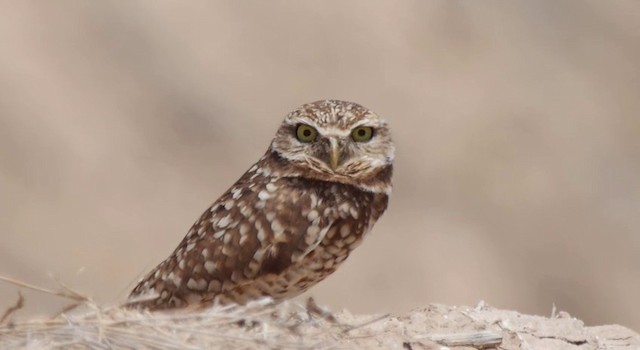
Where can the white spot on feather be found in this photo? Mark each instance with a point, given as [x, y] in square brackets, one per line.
[176, 280]
[262, 236]
[245, 211]
[271, 187]
[345, 230]
[313, 230]
[225, 221]
[201, 284]
[257, 256]
[210, 266]
[264, 195]
[276, 226]
[314, 200]
[312, 215]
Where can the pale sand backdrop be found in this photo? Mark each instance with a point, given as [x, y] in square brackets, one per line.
[517, 127]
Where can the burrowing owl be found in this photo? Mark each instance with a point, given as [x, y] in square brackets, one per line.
[290, 220]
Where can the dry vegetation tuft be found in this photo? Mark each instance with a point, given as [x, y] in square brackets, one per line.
[289, 325]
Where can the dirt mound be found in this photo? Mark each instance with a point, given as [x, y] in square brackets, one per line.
[289, 325]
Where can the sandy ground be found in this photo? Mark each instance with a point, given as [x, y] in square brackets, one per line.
[293, 326]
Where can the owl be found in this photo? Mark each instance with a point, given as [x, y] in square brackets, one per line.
[290, 220]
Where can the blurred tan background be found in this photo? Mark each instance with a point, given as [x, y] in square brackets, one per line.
[517, 127]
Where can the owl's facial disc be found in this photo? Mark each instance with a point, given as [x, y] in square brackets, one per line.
[335, 139]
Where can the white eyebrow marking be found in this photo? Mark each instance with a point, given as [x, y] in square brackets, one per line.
[334, 131]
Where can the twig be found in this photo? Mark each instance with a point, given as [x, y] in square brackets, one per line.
[364, 324]
[475, 339]
[69, 295]
[314, 309]
[70, 291]
[17, 306]
[68, 308]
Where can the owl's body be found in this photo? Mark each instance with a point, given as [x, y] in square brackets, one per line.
[290, 220]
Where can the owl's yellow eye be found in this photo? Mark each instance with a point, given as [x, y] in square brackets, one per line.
[306, 133]
[362, 134]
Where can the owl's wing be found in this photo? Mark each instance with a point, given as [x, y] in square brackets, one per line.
[256, 228]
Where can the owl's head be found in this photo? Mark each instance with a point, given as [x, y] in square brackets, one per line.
[338, 141]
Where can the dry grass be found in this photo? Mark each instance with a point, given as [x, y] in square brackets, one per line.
[86, 325]
[289, 325]
[260, 324]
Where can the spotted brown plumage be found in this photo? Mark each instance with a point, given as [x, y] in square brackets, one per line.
[290, 220]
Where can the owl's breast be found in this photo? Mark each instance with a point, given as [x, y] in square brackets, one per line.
[348, 214]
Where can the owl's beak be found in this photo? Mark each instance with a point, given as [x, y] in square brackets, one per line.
[334, 154]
